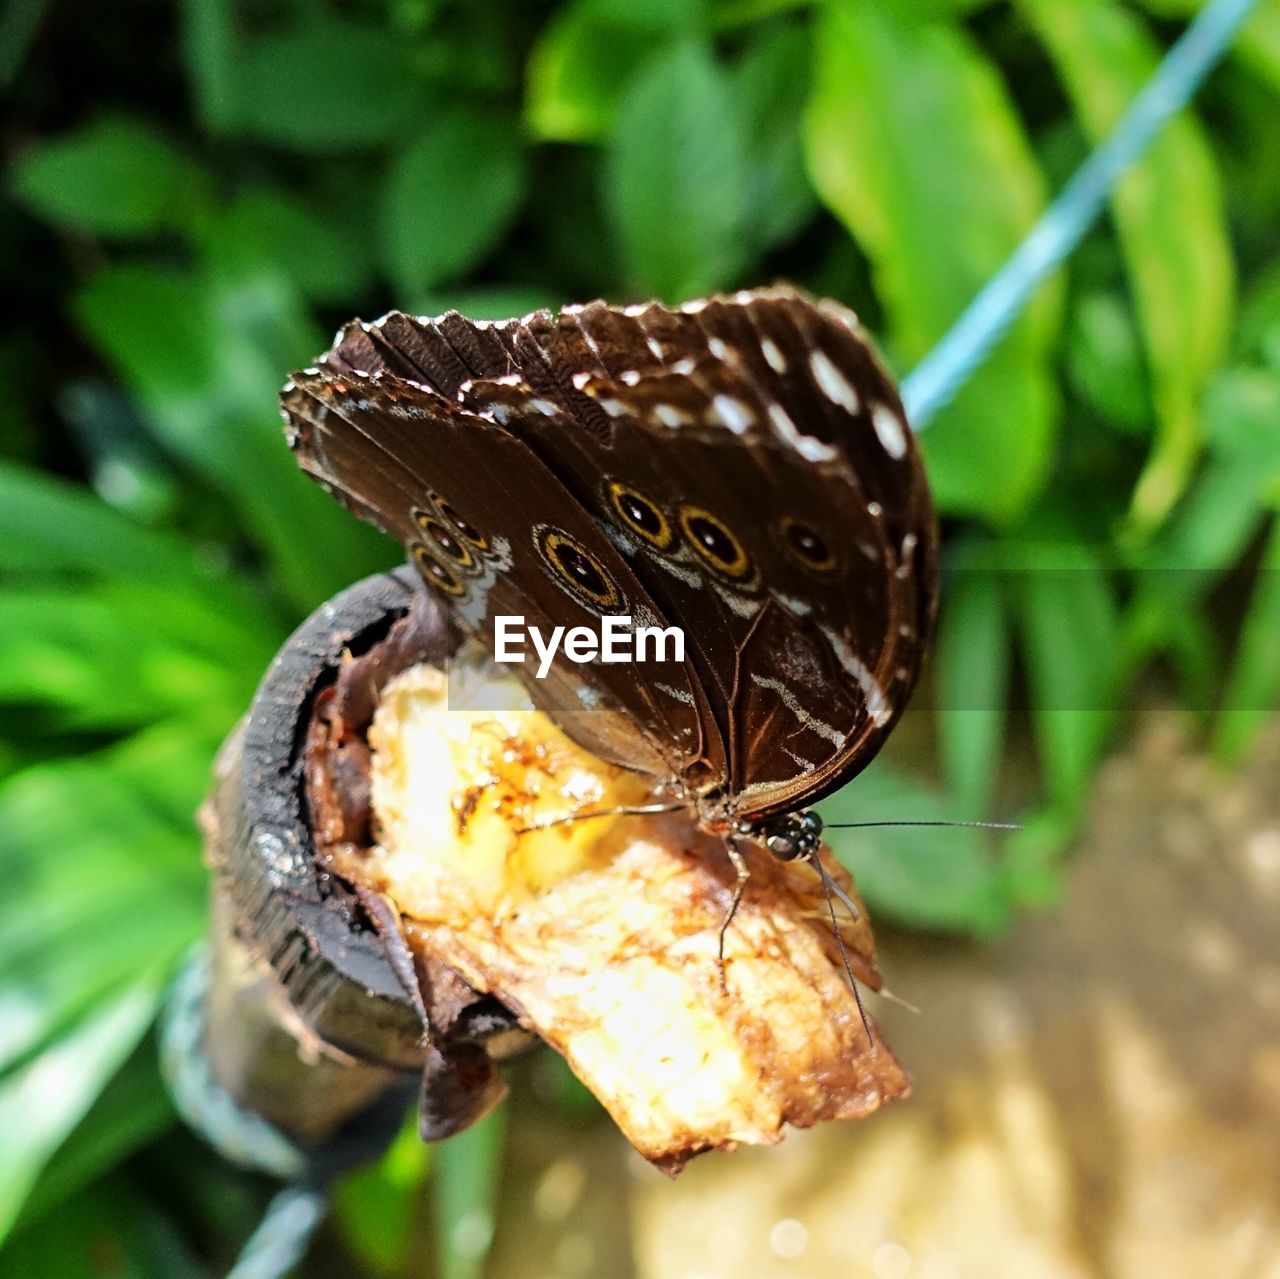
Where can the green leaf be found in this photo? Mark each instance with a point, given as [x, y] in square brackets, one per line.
[86, 652]
[295, 240]
[1105, 361]
[327, 85]
[379, 1208]
[19, 23]
[586, 56]
[464, 1186]
[913, 143]
[1259, 41]
[1253, 687]
[1069, 632]
[1210, 529]
[450, 196]
[1242, 409]
[114, 178]
[88, 843]
[922, 877]
[726, 14]
[676, 175]
[49, 526]
[973, 663]
[653, 17]
[578, 71]
[1169, 216]
[114, 1231]
[132, 1111]
[771, 83]
[1034, 856]
[210, 49]
[1258, 329]
[204, 358]
[42, 1101]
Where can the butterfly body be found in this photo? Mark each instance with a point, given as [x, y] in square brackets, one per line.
[739, 468]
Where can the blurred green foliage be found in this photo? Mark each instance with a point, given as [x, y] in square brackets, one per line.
[218, 183]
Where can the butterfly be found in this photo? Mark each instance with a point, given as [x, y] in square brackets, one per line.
[739, 467]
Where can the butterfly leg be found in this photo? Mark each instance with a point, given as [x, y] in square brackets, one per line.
[743, 874]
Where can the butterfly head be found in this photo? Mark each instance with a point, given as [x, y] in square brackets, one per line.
[790, 835]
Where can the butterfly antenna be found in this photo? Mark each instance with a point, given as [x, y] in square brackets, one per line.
[833, 890]
[963, 825]
[637, 810]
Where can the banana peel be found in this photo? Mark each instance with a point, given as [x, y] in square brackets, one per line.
[601, 934]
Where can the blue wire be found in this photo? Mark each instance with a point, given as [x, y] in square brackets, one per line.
[935, 381]
[238, 1135]
[283, 1235]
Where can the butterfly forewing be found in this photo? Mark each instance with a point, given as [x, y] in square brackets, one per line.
[472, 505]
[740, 467]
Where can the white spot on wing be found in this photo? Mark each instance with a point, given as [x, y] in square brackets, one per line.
[686, 575]
[777, 361]
[833, 384]
[680, 694]
[471, 610]
[740, 604]
[733, 413]
[890, 428]
[671, 416]
[401, 408]
[717, 348]
[799, 607]
[813, 450]
[842, 313]
[877, 705]
[792, 703]
[545, 407]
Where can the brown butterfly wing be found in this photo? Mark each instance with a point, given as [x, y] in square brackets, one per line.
[747, 461]
[468, 498]
[765, 424]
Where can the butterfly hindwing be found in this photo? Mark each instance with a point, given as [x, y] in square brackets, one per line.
[802, 559]
[739, 467]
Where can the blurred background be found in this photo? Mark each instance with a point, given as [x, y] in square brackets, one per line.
[198, 193]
